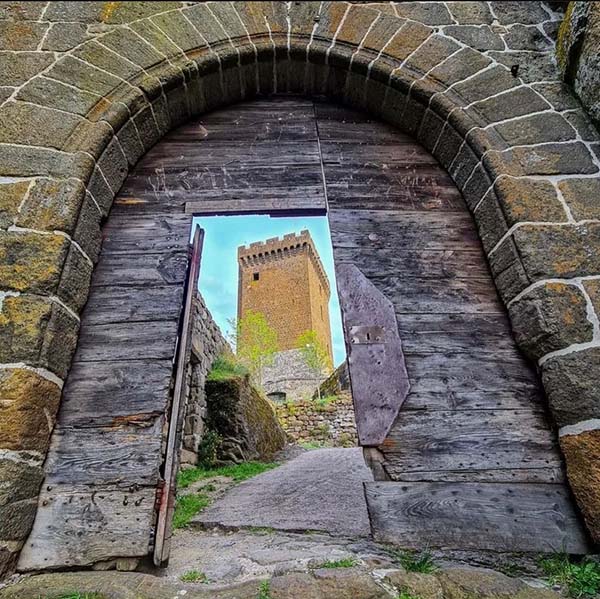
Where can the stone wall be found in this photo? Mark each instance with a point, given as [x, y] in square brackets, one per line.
[289, 374]
[578, 53]
[207, 344]
[328, 423]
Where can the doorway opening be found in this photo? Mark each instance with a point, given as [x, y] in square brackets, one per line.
[268, 378]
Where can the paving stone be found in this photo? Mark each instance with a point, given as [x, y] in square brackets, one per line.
[21, 35]
[530, 13]
[471, 13]
[28, 124]
[18, 67]
[481, 583]
[549, 318]
[533, 66]
[6, 92]
[65, 36]
[513, 103]
[428, 13]
[426, 586]
[582, 197]
[582, 456]
[11, 196]
[522, 37]
[38, 332]
[538, 128]
[571, 383]
[478, 37]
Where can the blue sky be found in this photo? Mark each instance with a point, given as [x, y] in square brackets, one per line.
[219, 271]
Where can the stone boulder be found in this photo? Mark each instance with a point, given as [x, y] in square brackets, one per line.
[244, 419]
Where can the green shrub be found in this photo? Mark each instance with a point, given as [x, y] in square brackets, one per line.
[324, 402]
[415, 561]
[408, 595]
[579, 579]
[226, 367]
[209, 448]
[194, 576]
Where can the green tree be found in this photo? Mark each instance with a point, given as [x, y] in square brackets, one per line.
[255, 342]
[315, 356]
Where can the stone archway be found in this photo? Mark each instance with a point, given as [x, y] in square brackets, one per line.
[74, 124]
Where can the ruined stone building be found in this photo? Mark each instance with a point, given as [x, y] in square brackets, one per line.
[284, 279]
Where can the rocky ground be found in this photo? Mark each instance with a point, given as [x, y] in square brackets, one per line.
[297, 532]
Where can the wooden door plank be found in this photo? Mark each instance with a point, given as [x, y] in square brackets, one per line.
[128, 453]
[104, 394]
[455, 440]
[114, 304]
[79, 525]
[127, 341]
[475, 516]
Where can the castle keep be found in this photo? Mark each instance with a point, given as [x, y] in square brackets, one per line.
[284, 279]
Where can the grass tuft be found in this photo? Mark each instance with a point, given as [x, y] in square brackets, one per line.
[194, 576]
[346, 562]
[225, 368]
[187, 506]
[580, 579]
[415, 561]
[77, 595]
[238, 472]
[264, 591]
[408, 595]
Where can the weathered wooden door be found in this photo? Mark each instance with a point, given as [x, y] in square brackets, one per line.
[166, 503]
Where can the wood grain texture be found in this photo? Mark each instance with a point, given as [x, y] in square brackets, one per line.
[78, 525]
[476, 516]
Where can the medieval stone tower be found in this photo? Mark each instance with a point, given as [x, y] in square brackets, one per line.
[284, 279]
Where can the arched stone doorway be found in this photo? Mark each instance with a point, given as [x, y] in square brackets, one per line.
[471, 443]
[116, 95]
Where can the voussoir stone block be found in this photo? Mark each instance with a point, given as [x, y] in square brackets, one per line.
[513, 103]
[428, 13]
[64, 36]
[550, 317]
[29, 406]
[571, 382]
[582, 457]
[17, 519]
[23, 478]
[18, 67]
[538, 128]
[559, 251]
[11, 197]
[529, 200]
[582, 197]
[28, 124]
[31, 261]
[38, 332]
